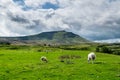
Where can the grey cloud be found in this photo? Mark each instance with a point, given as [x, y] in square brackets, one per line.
[17, 18]
[73, 24]
[35, 24]
[110, 29]
[49, 13]
[94, 20]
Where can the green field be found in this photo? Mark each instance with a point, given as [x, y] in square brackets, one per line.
[23, 63]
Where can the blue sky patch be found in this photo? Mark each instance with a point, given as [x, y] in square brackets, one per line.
[22, 3]
[49, 5]
[19, 2]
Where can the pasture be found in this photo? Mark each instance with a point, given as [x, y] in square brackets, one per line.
[23, 63]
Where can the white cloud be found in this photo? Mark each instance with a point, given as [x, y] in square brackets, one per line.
[38, 3]
[117, 40]
[89, 18]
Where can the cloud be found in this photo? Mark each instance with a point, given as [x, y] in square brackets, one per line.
[41, 4]
[94, 20]
[18, 18]
[117, 40]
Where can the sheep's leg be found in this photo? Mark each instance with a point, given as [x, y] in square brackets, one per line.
[88, 61]
[46, 61]
[92, 62]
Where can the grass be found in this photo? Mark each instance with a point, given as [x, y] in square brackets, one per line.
[25, 64]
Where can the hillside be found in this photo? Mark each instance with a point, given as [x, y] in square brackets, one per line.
[47, 37]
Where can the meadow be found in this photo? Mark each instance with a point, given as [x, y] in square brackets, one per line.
[23, 63]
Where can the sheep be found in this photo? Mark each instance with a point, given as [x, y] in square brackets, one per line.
[91, 56]
[44, 59]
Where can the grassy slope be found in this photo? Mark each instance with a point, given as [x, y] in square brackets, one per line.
[24, 64]
[61, 37]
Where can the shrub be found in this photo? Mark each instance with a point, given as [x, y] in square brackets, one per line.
[4, 43]
[103, 49]
[97, 49]
[116, 52]
[106, 50]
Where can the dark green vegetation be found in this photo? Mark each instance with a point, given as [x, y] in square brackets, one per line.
[64, 63]
[109, 48]
[54, 37]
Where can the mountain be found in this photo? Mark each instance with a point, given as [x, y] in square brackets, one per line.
[61, 37]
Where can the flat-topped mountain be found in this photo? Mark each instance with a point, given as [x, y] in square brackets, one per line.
[48, 37]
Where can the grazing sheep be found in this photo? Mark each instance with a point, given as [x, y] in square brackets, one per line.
[44, 59]
[91, 56]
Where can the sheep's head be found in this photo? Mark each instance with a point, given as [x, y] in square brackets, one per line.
[43, 58]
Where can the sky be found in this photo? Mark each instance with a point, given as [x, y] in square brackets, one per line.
[91, 19]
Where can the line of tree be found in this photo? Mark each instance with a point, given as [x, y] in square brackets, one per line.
[108, 49]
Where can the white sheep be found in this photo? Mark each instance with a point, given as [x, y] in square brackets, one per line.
[44, 59]
[91, 56]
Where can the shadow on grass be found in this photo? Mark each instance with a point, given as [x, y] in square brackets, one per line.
[99, 62]
[1, 54]
[118, 63]
[118, 75]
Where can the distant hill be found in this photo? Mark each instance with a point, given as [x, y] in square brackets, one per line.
[60, 37]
